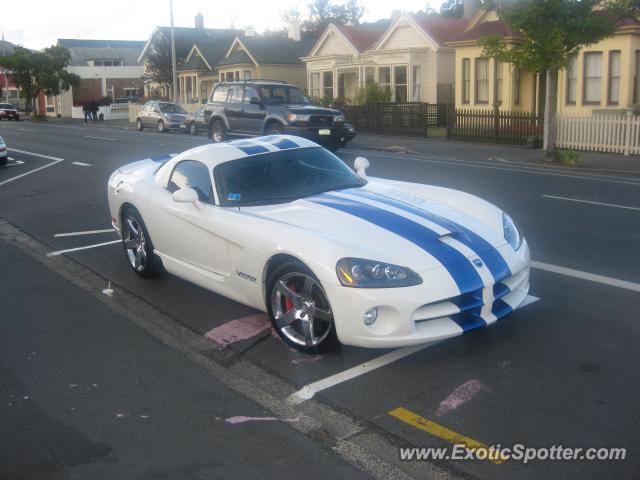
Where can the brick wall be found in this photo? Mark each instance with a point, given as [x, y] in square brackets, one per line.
[120, 83]
[91, 88]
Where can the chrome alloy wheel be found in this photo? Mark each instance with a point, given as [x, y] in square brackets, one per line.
[301, 309]
[135, 244]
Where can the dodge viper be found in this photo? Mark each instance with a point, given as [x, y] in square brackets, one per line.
[282, 225]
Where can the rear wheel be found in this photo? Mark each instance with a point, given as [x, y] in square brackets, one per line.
[3, 161]
[299, 308]
[138, 246]
[161, 127]
[139, 125]
[218, 132]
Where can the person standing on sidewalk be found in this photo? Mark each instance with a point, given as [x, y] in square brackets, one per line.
[94, 110]
[86, 109]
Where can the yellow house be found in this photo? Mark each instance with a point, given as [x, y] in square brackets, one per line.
[603, 77]
[407, 55]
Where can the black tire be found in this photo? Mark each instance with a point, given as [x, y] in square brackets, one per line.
[161, 127]
[193, 129]
[148, 264]
[3, 161]
[139, 125]
[289, 319]
[217, 131]
[274, 128]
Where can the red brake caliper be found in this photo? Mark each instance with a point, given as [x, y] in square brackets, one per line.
[288, 304]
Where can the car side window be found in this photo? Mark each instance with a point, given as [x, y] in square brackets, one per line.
[235, 96]
[220, 93]
[192, 174]
[249, 93]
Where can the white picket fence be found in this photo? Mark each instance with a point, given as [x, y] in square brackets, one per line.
[615, 133]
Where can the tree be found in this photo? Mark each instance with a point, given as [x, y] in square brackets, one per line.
[552, 32]
[372, 93]
[320, 13]
[158, 66]
[452, 8]
[43, 71]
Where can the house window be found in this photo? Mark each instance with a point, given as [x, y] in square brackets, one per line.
[572, 81]
[516, 86]
[247, 74]
[613, 94]
[466, 80]
[482, 80]
[400, 83]
[107, 63]
[314, 84]
[236, 75]
[592, 78]
[417, 83]
[497, 83]
[636, 79]
[327, 84]
[130, 92]
[368, 75]
[384, 78]
[110, 91]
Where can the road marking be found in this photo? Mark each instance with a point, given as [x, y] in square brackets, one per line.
[592, 277]
[309, 391]
[443, 433]
[481, 164]
[14, 162]
[81, 164]
[25, 130]
[55, 160]
[101, 138]
[87, 232]
[86, 247]
[591, 202]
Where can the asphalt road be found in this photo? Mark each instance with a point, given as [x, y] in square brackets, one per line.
[560, 371]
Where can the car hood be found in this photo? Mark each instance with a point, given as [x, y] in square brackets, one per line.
[386, 223]
[311, 110]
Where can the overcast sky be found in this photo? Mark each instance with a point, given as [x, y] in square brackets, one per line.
[39, 23]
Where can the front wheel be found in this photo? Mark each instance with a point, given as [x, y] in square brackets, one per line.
[139, 125]
[217, 132]
[299, 308]
[3, 161]
[193, 130]
[275, 128]
[161, 127]
[138, 246]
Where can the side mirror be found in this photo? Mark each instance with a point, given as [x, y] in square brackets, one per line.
[185, 195]
[360, 165]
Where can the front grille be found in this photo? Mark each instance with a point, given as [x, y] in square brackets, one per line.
[321, 120]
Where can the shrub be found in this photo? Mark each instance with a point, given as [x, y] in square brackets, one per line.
[568, 158]
[372, 93]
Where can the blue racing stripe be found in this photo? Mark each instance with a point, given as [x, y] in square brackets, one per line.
[487, 252]
[461, 270]
[161, 158]
[249, 147]
[468, 321]
[500, 308]
[279, 142]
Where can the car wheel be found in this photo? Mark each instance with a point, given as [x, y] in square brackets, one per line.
[3, 161]
[275, 128]
[218, 131]
[193, 130]
[139, 125]
[138, 246]
[299, 308]
[161, 127]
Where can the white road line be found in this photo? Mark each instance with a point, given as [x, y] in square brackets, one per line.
[101, 138]
[87, 232]
[592, 277]
[55, 160]
[86, 247]
[25, 130]
[81, 164]
[308, 391]
[591, 202]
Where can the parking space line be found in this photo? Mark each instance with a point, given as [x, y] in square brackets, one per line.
[591, 202]
[87, 232]
[81, 164]
[55, 161]
[441, 432]
[309, 391]
[86, 247]
[101, 138]
[592, 277]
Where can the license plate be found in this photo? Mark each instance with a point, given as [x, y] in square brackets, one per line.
[324, 131]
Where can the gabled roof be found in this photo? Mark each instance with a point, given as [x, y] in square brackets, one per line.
[365, 35]
[83, 50]
[494, 27]
[186, 37]
[277, 50]
[238, 57]
[441, 29]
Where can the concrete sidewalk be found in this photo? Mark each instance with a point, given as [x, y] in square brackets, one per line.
[488, 152]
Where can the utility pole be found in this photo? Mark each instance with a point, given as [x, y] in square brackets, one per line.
[174, 89]
[4, 70]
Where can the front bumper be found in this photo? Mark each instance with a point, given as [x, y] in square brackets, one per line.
[10, 115]
[335, 136]
[428, 312]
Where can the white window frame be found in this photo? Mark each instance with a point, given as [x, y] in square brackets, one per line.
[315, 87]
[397, 85]
[386, 86]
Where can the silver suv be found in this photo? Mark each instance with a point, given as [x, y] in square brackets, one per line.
[161, 115]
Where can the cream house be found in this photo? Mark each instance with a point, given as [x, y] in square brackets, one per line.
[407, 55]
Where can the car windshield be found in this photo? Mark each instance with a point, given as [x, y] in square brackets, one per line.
[7, 105]
[276, 94]
[280, 177]
[171, 108]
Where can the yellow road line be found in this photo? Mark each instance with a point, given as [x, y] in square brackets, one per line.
[439, 431]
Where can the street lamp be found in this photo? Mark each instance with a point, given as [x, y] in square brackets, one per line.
[173, 57]
[4, 71]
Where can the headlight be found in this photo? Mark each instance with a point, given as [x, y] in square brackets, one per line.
[338, 118]
[511, 233]
[361, 273]
[298, 118]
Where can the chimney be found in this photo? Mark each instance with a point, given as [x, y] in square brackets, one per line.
[199, 20]
[294, 29]
[470, 8]
[249, 31]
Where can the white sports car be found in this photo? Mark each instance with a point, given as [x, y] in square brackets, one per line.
[284, 226]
